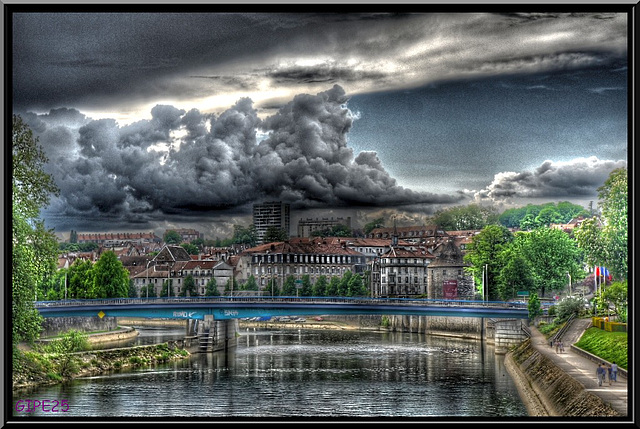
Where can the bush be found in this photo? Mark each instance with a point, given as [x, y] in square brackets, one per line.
[569, 306]
[70, 342]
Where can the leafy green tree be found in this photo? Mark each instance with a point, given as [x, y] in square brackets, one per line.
[569, 211]
[133, 292]
[356, 286]
[165, 292]
[482, 254]
[613, 200]
[320, 286]
[80, 280]
[376, 223]
[534, 307]
[590, 239]
[275, 234]
[343, 285]
[460, 218]
[211, 288]
[30, 257]
[172, 237]
[231, 286]
[110, 278]
[188, 286]
[617, 295]
[250, 284]
[547, 216]
[306, 289]
[73, 236]
[515, 273]
[148, 290]
[333, 287]
[247, 236]
[289, 287]
[191, 249]
[568, 306]
[272, 288]
[529, 222]
[551, 254]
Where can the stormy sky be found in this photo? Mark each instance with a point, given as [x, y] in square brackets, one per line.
[161, 120]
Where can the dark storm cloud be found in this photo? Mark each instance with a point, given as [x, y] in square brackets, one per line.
[578, 178]
[179, 162]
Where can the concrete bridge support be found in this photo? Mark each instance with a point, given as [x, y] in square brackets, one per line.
[215, 335]
[508, 333]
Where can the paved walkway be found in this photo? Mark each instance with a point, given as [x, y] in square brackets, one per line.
[581, 368]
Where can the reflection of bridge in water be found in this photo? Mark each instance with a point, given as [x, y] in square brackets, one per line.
[211, 322]
[224, 308]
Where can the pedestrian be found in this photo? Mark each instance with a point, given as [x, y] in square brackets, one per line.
[609, 373]
[614, 371]
[561, 347]
[600, 372]
[557, 345]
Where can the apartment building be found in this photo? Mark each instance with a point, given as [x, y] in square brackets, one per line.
[271, 214]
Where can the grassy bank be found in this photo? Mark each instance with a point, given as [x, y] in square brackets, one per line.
[610, 346]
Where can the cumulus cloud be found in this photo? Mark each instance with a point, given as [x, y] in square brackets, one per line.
[580, 177]
[184, 162]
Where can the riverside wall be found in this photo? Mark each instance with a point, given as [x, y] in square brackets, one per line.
[547, 390]
[53, 326]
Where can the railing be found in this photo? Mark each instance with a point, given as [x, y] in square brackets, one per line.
[560, 333]
[281, 300]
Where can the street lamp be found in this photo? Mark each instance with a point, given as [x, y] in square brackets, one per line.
[147, 284]
[569, 283]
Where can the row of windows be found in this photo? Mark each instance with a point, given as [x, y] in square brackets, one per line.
[399, 270]
[303, 270]
[406, 279]
[306, 259]
[402, 261]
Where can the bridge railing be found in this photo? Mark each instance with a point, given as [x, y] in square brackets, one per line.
[279, 300]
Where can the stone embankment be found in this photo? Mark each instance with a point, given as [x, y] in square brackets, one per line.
[546, 390]
[45, 369]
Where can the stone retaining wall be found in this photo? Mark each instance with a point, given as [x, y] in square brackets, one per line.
[547, 390]
[54, 326]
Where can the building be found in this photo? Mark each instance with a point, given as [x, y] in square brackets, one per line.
[187, 234]
[400, 272]
[314, 257]
[426, 235]
[308, 226]
[173, 264]
[271, 214]
[111, 239]
[447, 278]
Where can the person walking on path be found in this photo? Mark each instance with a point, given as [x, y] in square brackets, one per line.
[600, 372]
[614, 371]
[609, 373]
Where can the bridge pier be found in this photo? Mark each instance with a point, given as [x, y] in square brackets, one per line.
[215, 335]
[508, 333]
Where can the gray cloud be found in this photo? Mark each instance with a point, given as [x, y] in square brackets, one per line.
[184, 162]
[580, 177]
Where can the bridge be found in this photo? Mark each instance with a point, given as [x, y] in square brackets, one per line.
[238, 307]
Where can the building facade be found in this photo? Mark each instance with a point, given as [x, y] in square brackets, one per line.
[400, 272]
[306, 227]
[271, 214]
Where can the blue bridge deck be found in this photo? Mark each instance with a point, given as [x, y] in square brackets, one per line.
[254, 306]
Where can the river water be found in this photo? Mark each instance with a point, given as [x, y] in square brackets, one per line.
[302, 374]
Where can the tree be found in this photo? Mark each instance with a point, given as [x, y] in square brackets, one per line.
[80, 280]
[376, 223]
[515, 272]
[482, 254]
[246, 236]
[110, 278]
[172, 237]
[189, 286]
[250, 284]
[569, 306]
[356, 286]
[306, 286]
[289, 287]
[547, 216]
[320, 286]
[589, 238]
[191, 249]
[460, 218]
[551, 254]
[148, 290]
[613, 200]
[274, 234]
[133, 293]
[30, 257]
[617, 295]
[333, 287]
[211, 288]
[534, 307]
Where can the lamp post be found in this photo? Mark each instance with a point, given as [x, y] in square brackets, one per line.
[147, 283]
[569, 283]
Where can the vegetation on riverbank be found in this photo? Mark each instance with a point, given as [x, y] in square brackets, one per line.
[68, 357]
[610, 346]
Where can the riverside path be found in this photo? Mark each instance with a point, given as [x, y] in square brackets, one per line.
[582, 368]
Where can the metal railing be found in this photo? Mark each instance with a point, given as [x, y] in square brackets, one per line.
[279, 300]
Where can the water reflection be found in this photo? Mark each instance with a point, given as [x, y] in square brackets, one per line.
[308, 374]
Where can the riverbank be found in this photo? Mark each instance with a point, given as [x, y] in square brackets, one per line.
[39, 369]
[547, 390]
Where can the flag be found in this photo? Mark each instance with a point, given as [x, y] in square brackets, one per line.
[597, 271]
[607, 274]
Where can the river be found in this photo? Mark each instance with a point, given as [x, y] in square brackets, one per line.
[302, 374]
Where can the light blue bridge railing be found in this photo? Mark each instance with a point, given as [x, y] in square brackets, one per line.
[231, 307]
